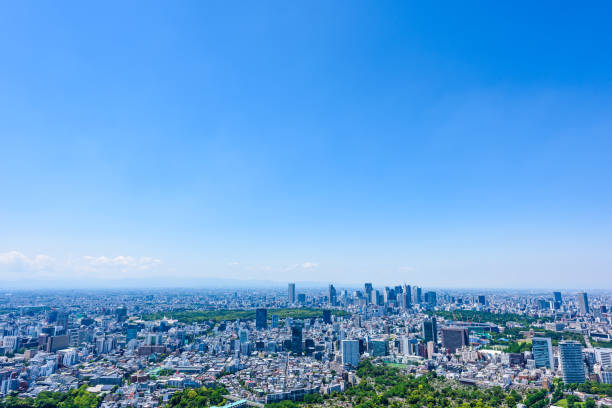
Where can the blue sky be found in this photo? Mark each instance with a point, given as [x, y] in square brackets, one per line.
[442, 144]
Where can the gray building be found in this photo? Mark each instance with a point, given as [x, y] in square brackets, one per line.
[454, 338]
[583, 303]
[291, 293]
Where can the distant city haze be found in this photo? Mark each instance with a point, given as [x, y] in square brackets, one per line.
[317, 142]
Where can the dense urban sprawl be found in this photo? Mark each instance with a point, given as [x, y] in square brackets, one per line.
[353, 347]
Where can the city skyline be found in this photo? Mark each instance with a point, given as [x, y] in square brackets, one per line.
[455, 147]
[330, 203]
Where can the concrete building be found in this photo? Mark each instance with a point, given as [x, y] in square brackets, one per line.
[583, 303]
[454, 338]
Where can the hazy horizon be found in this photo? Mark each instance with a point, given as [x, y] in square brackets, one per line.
[321, 141]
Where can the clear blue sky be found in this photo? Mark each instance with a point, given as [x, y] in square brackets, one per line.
[436, 143]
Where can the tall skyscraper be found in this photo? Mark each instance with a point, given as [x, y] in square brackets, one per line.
[417, 295]
[406, 297]
[327, 316]
[542, 352]
[261, 319]
[572, 362]
[583, 303]
[430, 330]
[375, 297]
[131, 332]
[350, 353]
[558, 297]
[291, 294]
[368, 291]
[481, 299]
[121, 313]
[431, 298]
[333, 299]
[387, 295]
[296, 338]
[454, 338]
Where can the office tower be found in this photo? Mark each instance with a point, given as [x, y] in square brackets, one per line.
[261, 319]
[244, 336]
[131, 332]
[291, 293]
[557, 296]
[406, 297]
[572, 362]
[309, 347]
[62, 321]
[332, 296]
[542, 304]
[51, 316]
[454, 338]
[583, 303]
[542, 352]
[431, 298]
[431, 348]
[408, 346]
[327, 316]
[121, 313]
[375, 298]
[604, 357]
[482, 299]
[296, 338]
[417, 296]
[430, 330]
[301, 298]
[387, 295]
[74, 337]
[379, 348]
[275, 321]
[55, 343]
[350, 353]
[368, 291]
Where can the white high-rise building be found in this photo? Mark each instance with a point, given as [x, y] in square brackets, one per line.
[350, 353]
[604, 357]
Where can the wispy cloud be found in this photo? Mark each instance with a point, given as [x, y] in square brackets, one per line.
[310, 265]
[15, 265]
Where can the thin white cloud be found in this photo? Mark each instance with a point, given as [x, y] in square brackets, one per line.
[19, 260]
[310, 265]
[15, 265]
